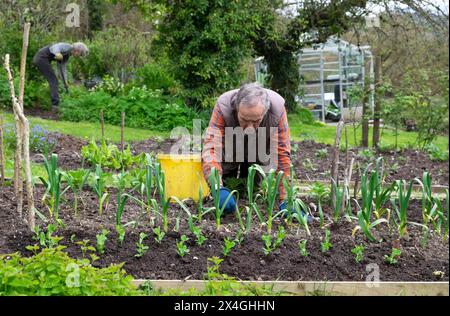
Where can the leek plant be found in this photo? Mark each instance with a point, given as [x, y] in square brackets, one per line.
[272, 183]
[369, 185]
[53, 186]
[301, 214]
[76, 180]
[215, 183]
[403, 197]
[99, 188]
[160, 182]
[440, 215]
[120, 183]
[320, 192]
[342, 201]
[381, 194]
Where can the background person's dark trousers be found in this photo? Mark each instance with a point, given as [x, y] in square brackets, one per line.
[46, 69]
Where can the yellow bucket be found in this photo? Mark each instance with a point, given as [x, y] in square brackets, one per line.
[184, 176]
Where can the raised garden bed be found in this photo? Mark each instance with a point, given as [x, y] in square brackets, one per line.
[246, 261]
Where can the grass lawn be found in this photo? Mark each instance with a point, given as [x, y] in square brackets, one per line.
[326, 133]
[299, 131]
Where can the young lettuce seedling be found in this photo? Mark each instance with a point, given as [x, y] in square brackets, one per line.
[85, 247]
[229, 244]
[182, 249]
[199, 238]
[159, 234]
[302, 248]
[101, 239]
[358, 251]
[141, 249]
[326, 244]
[392, 258]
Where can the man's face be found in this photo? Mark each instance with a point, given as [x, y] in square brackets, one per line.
[250, 117]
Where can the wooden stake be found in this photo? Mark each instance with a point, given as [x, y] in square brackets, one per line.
[2, 158]
[102, 124]
[122, 143]
[335, 162]
[23, 131]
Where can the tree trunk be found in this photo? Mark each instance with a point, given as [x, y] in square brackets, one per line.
[335, 161]
[377, 110]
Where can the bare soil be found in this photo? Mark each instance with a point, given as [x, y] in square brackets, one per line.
[311, 160]
[247, 260]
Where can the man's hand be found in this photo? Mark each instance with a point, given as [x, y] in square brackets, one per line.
[230, 205]
[59, 57]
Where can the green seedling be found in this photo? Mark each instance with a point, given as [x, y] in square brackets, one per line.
[215, 184]
[46, 239]
[120, 229]
[141, 249]
[321, 193]
[101, 240]
[199, 238]
[302, 248]
[358, 251]
[270, 244]
[85, 247]
[392, 258]
[120, 183]
[52, 186]
[159, 234]
[228, 245]
[99, 187]
[76, 180]
[326, 244]
[182, 249]
[369, 187]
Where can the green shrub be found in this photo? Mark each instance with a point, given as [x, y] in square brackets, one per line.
[156, 77]
[143, 108]
[53, 272]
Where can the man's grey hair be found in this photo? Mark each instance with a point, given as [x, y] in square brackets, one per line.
[252, 94]
[81, 47]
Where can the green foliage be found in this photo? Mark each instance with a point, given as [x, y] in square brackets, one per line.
[436, 153]
[326, 245]
[113, 52]
[101, 239]
[302, 248]
[143, 108]
[53, 186]
[40, 138]
[141, 249]
[392, 258]
[53, 272]
[228, 245]
[206, 42]
[358, 251]
[159, 234]
[85, 247]
[109, 155]
[99, 188]
[156, 76]
[199, 238]
[270, 244]
[182, 249]
[46, 239]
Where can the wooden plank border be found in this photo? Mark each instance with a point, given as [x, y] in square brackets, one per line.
[322, 288]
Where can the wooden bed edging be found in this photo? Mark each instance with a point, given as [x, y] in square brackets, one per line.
[323, 288]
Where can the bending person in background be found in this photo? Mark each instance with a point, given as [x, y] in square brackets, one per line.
[59, 52]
